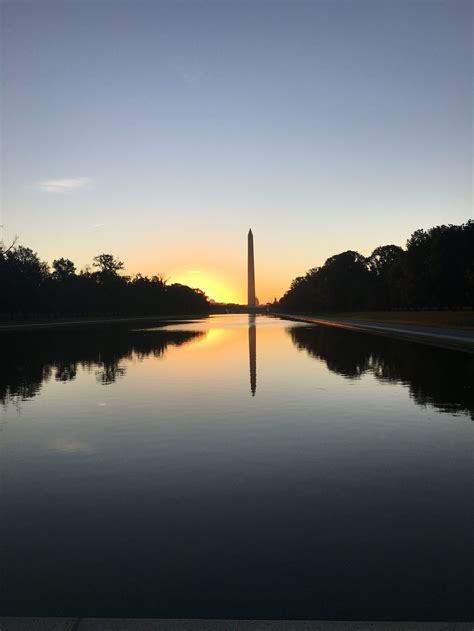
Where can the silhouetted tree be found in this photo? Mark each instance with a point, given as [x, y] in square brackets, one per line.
[342, 283]
[63, 269]
[22, 278]
[28, 287]
[108, 265]
[379, 264]
[345, 282]
[435, 271]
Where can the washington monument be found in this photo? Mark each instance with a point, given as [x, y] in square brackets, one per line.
[251, 301]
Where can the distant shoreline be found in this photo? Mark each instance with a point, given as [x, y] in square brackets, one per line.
[64, 322]
[453, 338]
[443, 336]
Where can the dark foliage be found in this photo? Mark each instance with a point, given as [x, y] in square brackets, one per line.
[28, 288]
[435, 271]
[31, 358]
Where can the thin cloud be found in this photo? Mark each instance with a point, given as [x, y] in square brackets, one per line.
[66, 185]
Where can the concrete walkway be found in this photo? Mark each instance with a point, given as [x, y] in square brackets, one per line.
[456, 339]
[120, 624]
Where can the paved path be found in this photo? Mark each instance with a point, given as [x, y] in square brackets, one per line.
[120, 624]
[458, 339]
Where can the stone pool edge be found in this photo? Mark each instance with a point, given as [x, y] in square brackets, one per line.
[75, 322]
[152, 624]
[453, 339]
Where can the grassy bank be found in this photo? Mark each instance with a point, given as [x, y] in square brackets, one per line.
[449, 319]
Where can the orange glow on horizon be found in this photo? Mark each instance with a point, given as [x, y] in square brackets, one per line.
[215, 286]
[221, 276]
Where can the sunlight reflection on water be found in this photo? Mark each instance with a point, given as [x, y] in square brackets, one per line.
[314, 473]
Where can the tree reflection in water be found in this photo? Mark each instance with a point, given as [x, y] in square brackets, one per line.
[29, 359]
[438, 377]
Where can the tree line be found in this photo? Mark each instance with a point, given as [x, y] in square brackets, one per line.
[434, 271]
[29, 287]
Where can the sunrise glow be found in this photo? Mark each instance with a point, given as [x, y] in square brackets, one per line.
[216, 287]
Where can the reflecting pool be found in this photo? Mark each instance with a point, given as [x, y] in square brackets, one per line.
[235, 467]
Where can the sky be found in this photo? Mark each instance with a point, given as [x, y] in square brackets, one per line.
[161, 132]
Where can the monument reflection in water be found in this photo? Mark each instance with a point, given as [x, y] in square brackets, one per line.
[141, 478]
[253, 354]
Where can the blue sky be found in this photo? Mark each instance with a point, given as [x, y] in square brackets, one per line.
[162, 131]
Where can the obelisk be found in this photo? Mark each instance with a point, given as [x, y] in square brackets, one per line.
[251, 272]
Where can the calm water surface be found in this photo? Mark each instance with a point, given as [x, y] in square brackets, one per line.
[235, 467]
